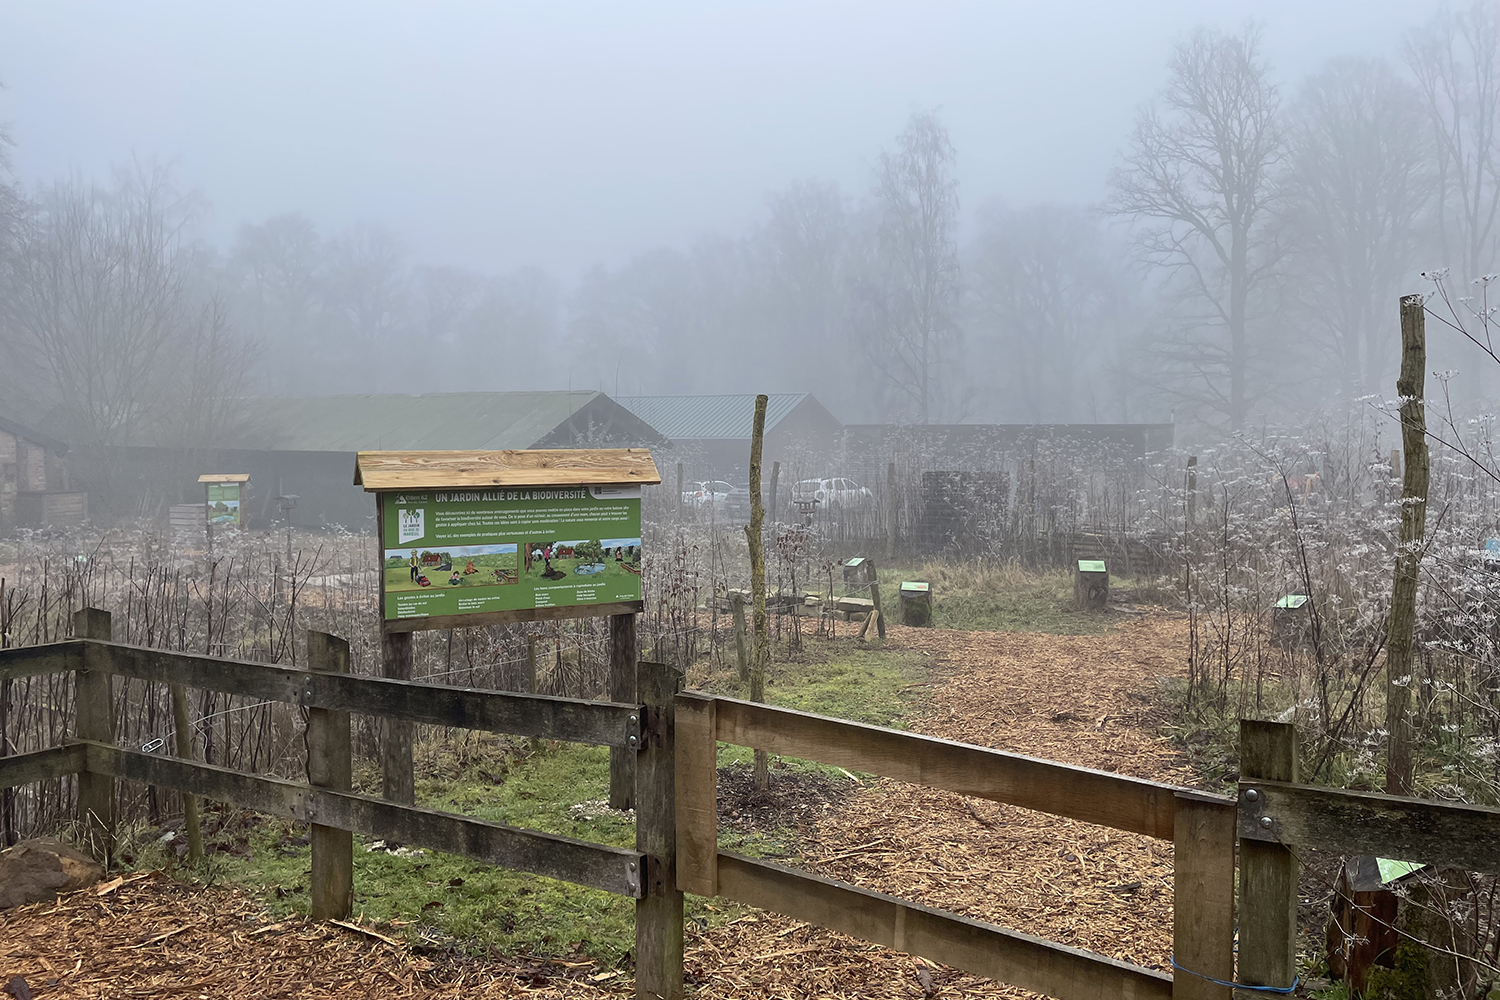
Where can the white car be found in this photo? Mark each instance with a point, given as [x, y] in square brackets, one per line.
[713, 491]
[833, 493]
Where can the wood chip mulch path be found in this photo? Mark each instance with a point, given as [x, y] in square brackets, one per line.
[1076, 699]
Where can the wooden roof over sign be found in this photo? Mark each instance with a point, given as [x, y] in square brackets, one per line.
[224, 477]
[379, 471]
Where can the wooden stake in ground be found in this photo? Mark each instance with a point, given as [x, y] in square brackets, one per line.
[1401, 632]
[758, 581]
[737, 606]
[658, 911]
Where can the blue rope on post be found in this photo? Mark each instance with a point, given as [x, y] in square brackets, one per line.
[1283, 990]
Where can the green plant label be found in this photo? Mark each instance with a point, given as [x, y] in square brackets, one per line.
[467, 552]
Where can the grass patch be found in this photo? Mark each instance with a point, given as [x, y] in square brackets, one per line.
[975, 598]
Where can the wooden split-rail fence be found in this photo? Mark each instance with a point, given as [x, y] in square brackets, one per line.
[674, 735]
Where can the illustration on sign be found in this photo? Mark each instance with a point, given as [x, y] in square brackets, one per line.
[459, 552]
[224, 504]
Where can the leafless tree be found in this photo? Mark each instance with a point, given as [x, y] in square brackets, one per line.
[908, 297]
[1456, 60]
[805, 246]
[1044, 302]
[366, 293]
[1198, 176]
[100, 305]
[1357, 187]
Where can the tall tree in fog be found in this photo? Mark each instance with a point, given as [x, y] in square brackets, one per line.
[277, 270]
[1456, 60]
[105, 316]
[1357, 187]
[1044, 300]
[1198, 178]
[365, 290]
[908, 296]
[805, 242]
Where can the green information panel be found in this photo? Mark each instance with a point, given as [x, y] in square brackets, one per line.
[465, 552]
[224, 504]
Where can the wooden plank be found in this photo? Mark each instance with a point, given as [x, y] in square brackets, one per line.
[983, 949]
[1332, 819]
[596, 722]
[513, 617]
[330, 764]
[224, 477]
[94, 719]
[658, 910]
[697, 795]
[1203, 897]
[41, 765]
[400, 783]
[1268, 871]
[576, 861]
[182, 738]
[47, 658]
[1113, 800]
[432, 470]
[622, 655]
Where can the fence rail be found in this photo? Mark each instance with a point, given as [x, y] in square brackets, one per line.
[675, 736]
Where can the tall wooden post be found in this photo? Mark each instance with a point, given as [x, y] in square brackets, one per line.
[1203, 897]
[622, 653]
[873, 575]
[182, 742]
[397, 653]
[95, 720]
[737, 605]
[679, 492]
[1401, 632]
[658, 912]
[771, 500]
[892, 507]
[1268, 872]
[330, 764]
[755, 539]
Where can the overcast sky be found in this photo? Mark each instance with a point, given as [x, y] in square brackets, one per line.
[494, 136]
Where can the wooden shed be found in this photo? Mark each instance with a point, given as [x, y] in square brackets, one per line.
[34, 486]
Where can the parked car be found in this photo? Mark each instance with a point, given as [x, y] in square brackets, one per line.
[833, 493]
[705, 493]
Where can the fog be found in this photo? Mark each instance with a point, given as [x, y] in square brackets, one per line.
[921, 213]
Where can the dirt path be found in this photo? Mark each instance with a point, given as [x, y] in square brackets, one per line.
[1077, 699]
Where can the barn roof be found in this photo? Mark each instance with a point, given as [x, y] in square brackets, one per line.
[477, 421]
[700, 418]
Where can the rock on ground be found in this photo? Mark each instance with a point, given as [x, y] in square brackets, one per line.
[35, 871]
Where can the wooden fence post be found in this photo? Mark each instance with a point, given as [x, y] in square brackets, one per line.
[1268, 872]
[95, 720]
[396, 656]
[330, 764]
[1202, 898]
[697, 795]
[891, 510]
[182, 742]
[658, 912]
[737, 603]
[622, 654]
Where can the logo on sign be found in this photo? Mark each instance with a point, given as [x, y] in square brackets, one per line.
[409, 524]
